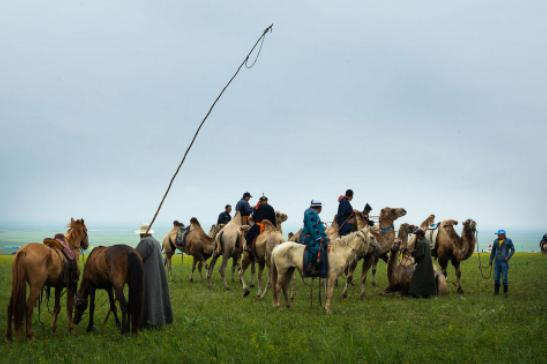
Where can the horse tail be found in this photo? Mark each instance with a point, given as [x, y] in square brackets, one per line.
[17, 305]
[136, 291]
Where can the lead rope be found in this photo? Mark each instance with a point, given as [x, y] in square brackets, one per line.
[244, 63]
[480, 261]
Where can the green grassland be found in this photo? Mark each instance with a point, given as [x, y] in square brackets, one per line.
[222, 326]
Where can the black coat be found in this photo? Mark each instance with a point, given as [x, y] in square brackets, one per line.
[223, 218]
[423, 282]
[265, 212]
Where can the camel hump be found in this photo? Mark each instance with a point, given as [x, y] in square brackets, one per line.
[195, 221]
[449, 222]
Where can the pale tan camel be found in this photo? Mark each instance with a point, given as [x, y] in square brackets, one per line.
[39, 265]
[265, 243]
[228, 244]
[449, 246]
[384, 233]
[288, 256]
[332, 230]
[169, 248]
[430, 220]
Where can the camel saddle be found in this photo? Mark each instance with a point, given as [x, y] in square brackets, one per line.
[431, 235]
[59, 243]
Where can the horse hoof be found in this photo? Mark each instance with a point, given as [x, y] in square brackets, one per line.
[246, 292]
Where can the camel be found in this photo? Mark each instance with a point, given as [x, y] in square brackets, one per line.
[198, 244]
[228, 244]
[332, 230]
[384, 233]
[39, 266]
[265, 243]
[288, 256]
[449, 246]
[399, 273]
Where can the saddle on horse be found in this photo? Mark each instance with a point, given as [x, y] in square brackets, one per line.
[70, 268]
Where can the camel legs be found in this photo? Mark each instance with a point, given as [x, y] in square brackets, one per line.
[194, 263]
[200, 267]
[259, 281]
[222, 269]
[374, 264]
[210, 270]
[456, 265]
[367, 263]
[286, 282]
[244, 265]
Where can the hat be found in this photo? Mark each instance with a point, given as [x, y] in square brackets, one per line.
[349, 193]
[367, 208]
[316, 203]
[142, 230]
[500, 232]
[247, 194]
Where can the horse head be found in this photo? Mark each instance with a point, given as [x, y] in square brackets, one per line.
[77, 231]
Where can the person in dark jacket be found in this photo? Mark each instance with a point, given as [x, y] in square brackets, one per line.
[225, 216]
[502, 250]
[345, 216]
[366, 214]
[423, 282]
[262, 211]
[244, 208]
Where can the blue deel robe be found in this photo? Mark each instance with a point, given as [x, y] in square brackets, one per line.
[316, 241]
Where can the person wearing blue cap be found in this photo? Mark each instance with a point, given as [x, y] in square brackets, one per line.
[502, 250]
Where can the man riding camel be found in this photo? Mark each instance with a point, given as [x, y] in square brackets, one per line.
[244, 208]
[262, 211]
[345, 218]
[315, 238]
[225, 216]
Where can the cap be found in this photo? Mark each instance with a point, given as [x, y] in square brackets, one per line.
[247, 194]
[367, 208]
[316, 203]
[500, 232]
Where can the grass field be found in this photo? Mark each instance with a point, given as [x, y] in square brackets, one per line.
[221, 326]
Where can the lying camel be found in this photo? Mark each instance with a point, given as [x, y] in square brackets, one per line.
[265, 243]
[384, 233]
[228, 244]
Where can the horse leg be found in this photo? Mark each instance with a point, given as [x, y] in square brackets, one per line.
[456, 265]
[56, 309]
[91, 309]
[367, 263]
[123, 306]
[113, 306]
[244, 265]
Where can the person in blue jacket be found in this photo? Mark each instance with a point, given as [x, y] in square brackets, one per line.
[345, 216]
[315, 238]
[502, 251]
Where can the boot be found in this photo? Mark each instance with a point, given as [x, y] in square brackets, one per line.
[496, 289]
[505, 290]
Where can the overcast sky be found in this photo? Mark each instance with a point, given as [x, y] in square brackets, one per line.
[429, 105]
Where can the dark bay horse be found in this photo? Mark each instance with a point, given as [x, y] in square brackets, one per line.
[110, 268]
[39, 265]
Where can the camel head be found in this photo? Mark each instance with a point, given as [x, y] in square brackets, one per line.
[396, 245]
[389, 214]
[280, 217]
[470, 225]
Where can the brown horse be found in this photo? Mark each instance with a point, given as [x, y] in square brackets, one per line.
[110, 269]
[39, 266]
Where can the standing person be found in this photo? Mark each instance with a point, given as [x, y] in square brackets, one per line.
[156, 304]
[502, 250]
[262, 211]
[316, 241]
[225, 216]
[345, 218]
[423, 282]
[543, 244]
[244, 208]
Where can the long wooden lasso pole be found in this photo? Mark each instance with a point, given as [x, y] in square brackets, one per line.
[244, 63]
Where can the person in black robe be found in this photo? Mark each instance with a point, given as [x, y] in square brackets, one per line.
[423, 282]
[263, 211]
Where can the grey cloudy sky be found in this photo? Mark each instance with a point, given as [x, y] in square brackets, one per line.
[428, 105]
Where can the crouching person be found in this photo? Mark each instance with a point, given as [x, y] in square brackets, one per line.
[502, 250]
[156, 304]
